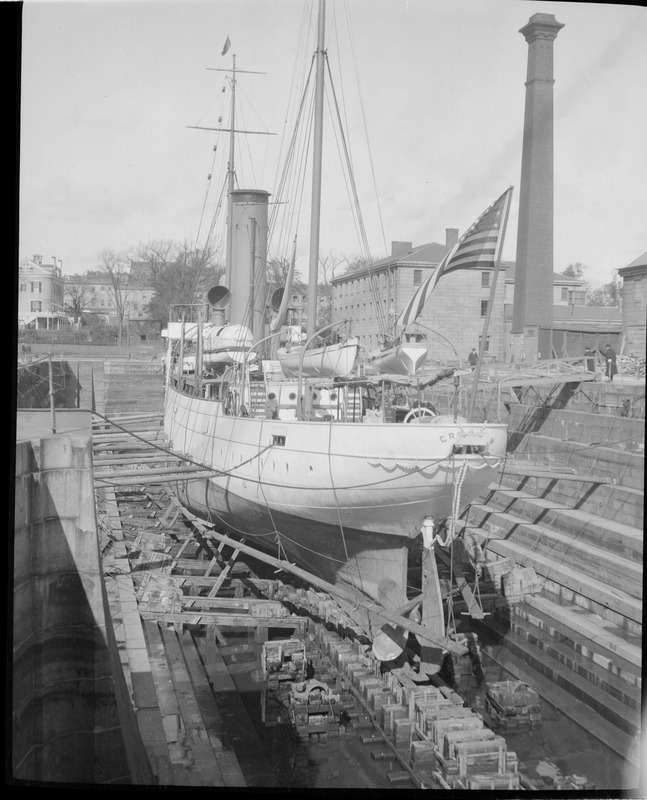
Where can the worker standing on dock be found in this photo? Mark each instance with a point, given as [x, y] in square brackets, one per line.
[612, 368]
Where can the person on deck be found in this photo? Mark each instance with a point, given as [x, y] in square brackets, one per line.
[271, 407]
[473, 358]
[610, 357]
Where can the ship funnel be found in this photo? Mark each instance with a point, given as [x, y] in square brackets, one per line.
[276, 299]
[219, 297]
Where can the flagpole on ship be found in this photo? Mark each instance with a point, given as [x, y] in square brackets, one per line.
[497, 264]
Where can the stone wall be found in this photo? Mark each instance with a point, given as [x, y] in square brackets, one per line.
[72, 718]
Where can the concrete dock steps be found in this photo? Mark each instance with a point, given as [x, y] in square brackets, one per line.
[547, 660]
[556, 550]
[592, 722]
[578, 425]
[616, 654]
[563, 581]
[620, 466]
[586, 526]
[621, 504]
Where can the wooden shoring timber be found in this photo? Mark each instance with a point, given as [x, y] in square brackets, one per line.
[225, 620]
[261, 584]
[555, 476]
[123, 417]
[231, 604]
[155, 455]
[198, 740]
[381, 613]
[146, 473]
[131, 444]
[473, 607]
[153, 479]
[197, 565]
[100, 438]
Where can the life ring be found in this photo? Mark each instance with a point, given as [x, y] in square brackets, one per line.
[417, 413]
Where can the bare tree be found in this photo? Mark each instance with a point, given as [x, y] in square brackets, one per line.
[116, 264]
[329, 264]
[179, 274]
[277, 272]
[77, 299]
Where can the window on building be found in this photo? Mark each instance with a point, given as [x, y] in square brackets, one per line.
[487, 344]
[36, 287]
[484, 305]
[564, 292]
[417, 277]
[36, 306]
[485, 280]
[23, 287]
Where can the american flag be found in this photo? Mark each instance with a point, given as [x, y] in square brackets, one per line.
[478, 248]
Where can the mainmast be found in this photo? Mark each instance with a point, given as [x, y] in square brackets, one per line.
[315, 213]
[230, 174]
[231, 168]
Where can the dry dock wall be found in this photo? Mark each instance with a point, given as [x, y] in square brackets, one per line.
[72, 719]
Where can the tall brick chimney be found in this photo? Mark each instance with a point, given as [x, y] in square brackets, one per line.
[451, 237]
[533, 289]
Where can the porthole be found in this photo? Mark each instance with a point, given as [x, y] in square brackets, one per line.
[333, 395]
[292, 396]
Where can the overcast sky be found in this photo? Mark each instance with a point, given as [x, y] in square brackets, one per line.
[109, 90]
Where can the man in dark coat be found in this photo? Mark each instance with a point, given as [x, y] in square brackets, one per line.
[473, 358]
[610, 357]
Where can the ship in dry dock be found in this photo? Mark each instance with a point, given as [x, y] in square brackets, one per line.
[331, 473]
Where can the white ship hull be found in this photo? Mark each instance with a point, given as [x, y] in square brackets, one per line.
[343, 499]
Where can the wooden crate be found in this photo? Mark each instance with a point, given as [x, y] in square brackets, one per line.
[389, 713]
[501, 781]
[484, 756]
[440, 727]
[422, 752]
[402, 730]
[452, 737]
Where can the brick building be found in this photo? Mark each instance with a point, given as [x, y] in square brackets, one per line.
[41, 294]
[634, 306]
[454, 318]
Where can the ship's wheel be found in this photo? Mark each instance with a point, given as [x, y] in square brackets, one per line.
[416, 414]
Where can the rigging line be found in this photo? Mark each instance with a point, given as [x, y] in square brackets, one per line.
[292, 144]
[357, 212]
[216, 214]
[297, 73]
[220, 472]
[332, 484]
[361, 102]
[314, 552]
[206, 196]
[293, 213]
[296, 174]
[349, 166]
